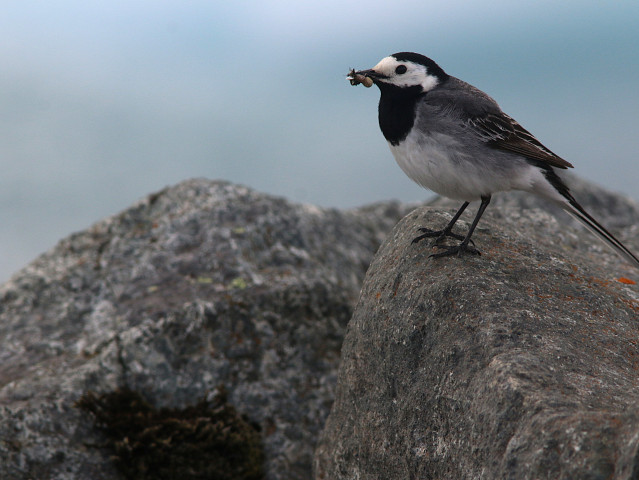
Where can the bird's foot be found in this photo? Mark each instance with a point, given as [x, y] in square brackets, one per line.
[462, 248]
[438, 235]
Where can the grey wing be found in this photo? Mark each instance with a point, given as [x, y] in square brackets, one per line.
[501, 131]
[478, 112]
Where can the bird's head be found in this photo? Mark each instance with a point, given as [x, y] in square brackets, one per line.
[404, 70]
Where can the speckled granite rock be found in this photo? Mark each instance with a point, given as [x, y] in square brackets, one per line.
[522, 363]
[201, 284]
[208, 283]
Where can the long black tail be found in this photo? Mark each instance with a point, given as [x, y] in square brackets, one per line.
[566, 201]
[577, 211]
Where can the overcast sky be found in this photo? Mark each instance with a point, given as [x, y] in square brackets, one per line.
[102, 103]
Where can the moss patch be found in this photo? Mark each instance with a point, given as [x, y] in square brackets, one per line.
[209, 440]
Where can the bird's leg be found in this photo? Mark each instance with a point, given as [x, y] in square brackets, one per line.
[439, 235]
[463, 246]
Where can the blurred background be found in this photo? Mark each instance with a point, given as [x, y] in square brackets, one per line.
[102, 103]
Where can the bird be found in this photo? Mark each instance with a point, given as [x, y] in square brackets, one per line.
[452, 138]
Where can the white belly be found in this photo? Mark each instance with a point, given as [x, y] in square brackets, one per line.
[440, 163]
[435, 163]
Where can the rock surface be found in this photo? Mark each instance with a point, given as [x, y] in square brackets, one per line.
[208, 284]
[200, 285]
[521, 363]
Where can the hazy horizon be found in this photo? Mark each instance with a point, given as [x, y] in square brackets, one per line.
[102, 104]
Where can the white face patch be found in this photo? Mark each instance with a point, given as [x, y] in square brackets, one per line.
[415, 74]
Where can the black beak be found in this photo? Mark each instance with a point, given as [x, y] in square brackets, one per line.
[370, 73]
[365, 77]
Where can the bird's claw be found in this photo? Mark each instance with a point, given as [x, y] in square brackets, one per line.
[462, 248]
[439, 235]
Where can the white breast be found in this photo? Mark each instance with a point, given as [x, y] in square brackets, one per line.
[442, 164]
[436, 162]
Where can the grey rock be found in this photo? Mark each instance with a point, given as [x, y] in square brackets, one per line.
[520, 363]
[207, 284]
[199, 285]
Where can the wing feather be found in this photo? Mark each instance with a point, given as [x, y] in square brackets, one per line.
[505, 133]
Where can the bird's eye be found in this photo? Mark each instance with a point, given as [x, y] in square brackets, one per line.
[401, 69]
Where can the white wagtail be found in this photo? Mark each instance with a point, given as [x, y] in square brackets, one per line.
[453, 139]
